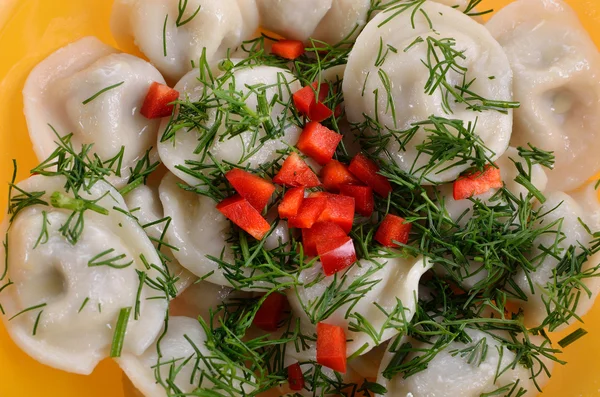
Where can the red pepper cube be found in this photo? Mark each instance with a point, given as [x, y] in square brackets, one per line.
[339, 210]
[336, 254]
[393, 229]
[318, 142]
[269, 315]
[367, 171]
[477, 183]
[296, 173]
[255, 189]
[308, 213]
[336, 174]
[304, 97]
[295, 377]
[363, 198]
[288, 49]
[238, 210]
[292, 200]
[331, 347]
[320, 231]
[158, 101]
[319, 112]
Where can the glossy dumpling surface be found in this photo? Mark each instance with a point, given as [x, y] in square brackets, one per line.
[95, 93]
[63, 304]
[173, 37]
[557, 80]
[386, 80]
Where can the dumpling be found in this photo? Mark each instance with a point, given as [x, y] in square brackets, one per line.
[557, 80]
[186, 364]
[173, 34]
[180, 152]
[451, 374]
[390, 280]
[66, 293]
[345, 19]
[90, 90]
[563, 231]
[292, 19]
[199, 299]
[388, 82]
[144, 204]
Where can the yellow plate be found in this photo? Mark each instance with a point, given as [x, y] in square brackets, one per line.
[32, 29]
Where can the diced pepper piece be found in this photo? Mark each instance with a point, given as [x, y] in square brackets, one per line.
[310, 210]
[319, 112]
[320, 231]
[296, 173]
[253, 188]
[270, 313]
[336, 174]
[367, 171]
[295, 377]
[318, 142]
[331, 347]
[238, 210]
[336, 254]
[158, 101]
[363, 198]
[304, 97]
[288, 49]
[393, 229]
[339, 210]
[292, 200]
[476, 183]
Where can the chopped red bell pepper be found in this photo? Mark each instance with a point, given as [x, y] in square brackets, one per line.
[292, 200]
[336, 174]
[158, 101]
[296, 173]
[331, 347]
[270, 313]
[304, 97]
[238, 210]
[339, 210]
[288, 49]
[320, 231]
[308, 213]
[319, 112]
[475, 183]
[363, 198]
[336, 254]
[368, 172]
[253, 188]
[295, 377]
[393, 229]
[318, 142]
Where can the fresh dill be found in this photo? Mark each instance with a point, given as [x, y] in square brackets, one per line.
[181, 7]
[102, 91]
[120, 332]
[105, 259]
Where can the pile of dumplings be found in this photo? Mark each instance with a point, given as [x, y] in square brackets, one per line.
[151, 260]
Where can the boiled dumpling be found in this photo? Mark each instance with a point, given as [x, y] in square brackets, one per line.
[186, 364]
[173, 35]
[65, 297]
[392, 279]
[95, 93]
[386, 79]
[293, 19]
[179, 151]
[451, 374]
[199, 299]
[557, 80]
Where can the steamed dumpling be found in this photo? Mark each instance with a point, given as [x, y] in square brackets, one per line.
[179, 152]
[90, 90]
[175, 44]
[557, 80]
[63, 305]
[388, 86]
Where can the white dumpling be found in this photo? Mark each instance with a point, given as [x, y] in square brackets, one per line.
[556, 69]
[176, 152]
[69, 303]
[186, 362]
[450, 374]
[144, 204]
[199, 299]
[344, 20]
[173, 44]
[60, 93]
[568, 210]
[392, 279]
[389, 85]
[293, 19]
